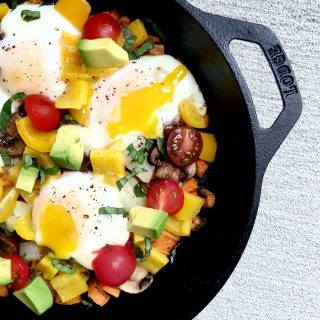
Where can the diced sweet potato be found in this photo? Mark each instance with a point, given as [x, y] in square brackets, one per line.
[97, 295]
[124, 20]
[6, 180]
[208, 196]
[115, 292]
[166, 242]
[114, 14]
[202, 168]
[190, 185]
[158, 50]
[3, 291]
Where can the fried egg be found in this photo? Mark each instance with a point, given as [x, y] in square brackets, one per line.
[67, 220]
[30, 56]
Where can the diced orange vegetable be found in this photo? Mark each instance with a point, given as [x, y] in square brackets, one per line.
[208, 196]
[202, 168]
[97, 295]
[115, 292]
[6, 180]
[3, 291]
[166, 242]
[190, 185]
[35, 1]
[191, 207]
[191, 116]
[76, 11]
[209, 147]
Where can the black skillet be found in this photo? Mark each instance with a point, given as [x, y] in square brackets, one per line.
[204, 261]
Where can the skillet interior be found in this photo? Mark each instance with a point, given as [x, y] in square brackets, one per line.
[204, 261]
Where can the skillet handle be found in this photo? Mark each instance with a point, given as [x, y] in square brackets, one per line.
[223, 30]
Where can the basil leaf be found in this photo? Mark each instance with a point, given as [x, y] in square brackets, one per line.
[28, 15]
[50, 171]
[129, 37]
[113, 210]
[14, 4]
[29, 161]
[124, 180]
[148, 249]
[62, 267]
[203, 223]
[155, 28]
[161, 146]
[86, 303]
[67, 118]
[132, 55]
[138, 191]
[4, 227]
[144, 48]
[173, 253]
[139, 253]
[5, 157]
[5, 114]
[138, 156]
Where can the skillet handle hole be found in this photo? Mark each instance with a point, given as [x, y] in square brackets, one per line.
[260, 80]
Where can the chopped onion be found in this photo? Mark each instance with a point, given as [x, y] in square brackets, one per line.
[29, 251]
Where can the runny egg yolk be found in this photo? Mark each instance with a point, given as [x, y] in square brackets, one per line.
[136, 111]
[58, 231]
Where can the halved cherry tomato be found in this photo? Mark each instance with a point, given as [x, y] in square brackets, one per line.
[166, 195]
[114, 265]
[20, 271]
[42, 112]
[184, 146]
[101, 25]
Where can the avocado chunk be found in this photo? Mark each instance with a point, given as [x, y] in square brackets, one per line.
[68, 150]
[147, 222]
[36, 295]
[102, 52]
[5, 271]
[27, 178]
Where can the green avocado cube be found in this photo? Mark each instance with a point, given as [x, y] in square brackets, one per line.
[36, 295]
[147, 222]
[5, 271]
[27, 178]
[68, 150]
[103, 52]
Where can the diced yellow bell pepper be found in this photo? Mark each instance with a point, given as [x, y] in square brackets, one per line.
[191, 116]
[1, 189]
[41, 141]
[109, 163]
[8, 203]
[43, 159]
[1, 169]
[46, 268]
[24, 227]
[209, 147]
[76, 11]
[156, 261]
[69, 286]
[4, 9]
[14, 171]
[138, 29]
[82, 115]
[178, 227]
[138, 239]
[75, 95]
[29, 197]
[191, 206]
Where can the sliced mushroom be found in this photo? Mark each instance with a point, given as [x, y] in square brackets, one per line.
[154, 156]
[16, 149]
[8, 244]
[188, 172]
[139, 281]
[168, 171]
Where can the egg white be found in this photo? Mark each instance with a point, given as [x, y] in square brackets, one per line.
[82, 194]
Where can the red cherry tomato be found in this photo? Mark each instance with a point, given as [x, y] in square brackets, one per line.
[42, 112]
[101, 25]
[184, 146]
[20, 271]
[166, 195]
[114, 265]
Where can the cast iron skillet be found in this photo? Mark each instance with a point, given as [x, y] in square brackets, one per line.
[204, 261]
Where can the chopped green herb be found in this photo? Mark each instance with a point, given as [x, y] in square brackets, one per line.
[124, 180]
[155, 28]
[30, 161]
[129, 37]
[148, 249]
[203, 223]
[5, 113]
[42, 176]
[50, 171]
[139, 156]
[173, 253]
[63, 267]
[132, 55]
[28, 15]
[67, 118]
[113, 210]
[5, 157]
[161, 146]
[139, 254]
[14, 4]
[138, 191]
[144, 48]
[4, 227]
[86, 303]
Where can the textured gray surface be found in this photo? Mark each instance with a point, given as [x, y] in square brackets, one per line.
[278, 277]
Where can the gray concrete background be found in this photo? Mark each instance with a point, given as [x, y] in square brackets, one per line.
[278, 276]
